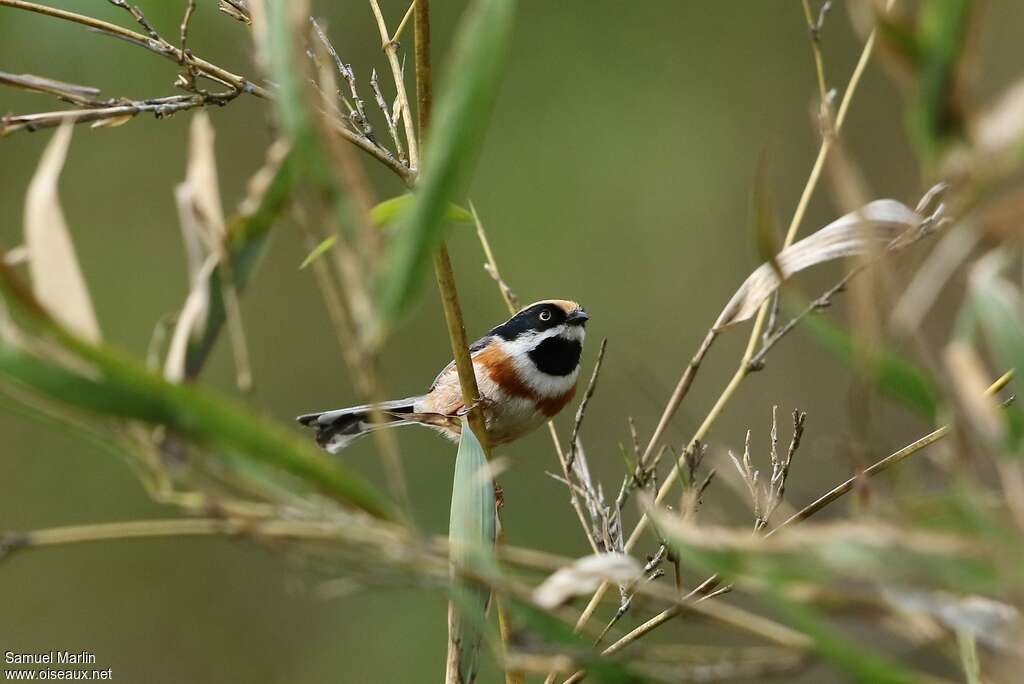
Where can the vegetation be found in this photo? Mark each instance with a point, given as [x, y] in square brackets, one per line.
[945, 573]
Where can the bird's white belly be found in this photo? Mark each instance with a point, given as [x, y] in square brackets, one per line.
[507, 417]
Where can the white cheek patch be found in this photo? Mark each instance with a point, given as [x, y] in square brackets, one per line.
[543, 384]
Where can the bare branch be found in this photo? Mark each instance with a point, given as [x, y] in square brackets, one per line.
[391, 50]
[581, 411]
[69, 92]
[160, 47]
[236, 9]
[160, 107]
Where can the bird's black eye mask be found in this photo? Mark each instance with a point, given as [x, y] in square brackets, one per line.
[531, 320]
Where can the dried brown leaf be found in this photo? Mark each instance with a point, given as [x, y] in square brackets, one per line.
[203, 231]
[199, 193]
[56, 276]
[869, 229]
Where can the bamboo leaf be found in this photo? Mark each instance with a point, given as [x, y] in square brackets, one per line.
[471, 533]
[935, 114]
[872, 227]
[318, 251]
[276, 24]
[57, 280]
[396, 208]
[463, 110]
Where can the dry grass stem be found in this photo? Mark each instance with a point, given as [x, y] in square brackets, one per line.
[398, 74]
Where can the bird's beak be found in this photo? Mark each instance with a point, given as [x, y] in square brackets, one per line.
[578, 317]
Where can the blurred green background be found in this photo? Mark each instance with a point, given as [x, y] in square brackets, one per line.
[616, 172]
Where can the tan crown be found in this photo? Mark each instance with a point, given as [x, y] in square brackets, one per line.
[565, 305]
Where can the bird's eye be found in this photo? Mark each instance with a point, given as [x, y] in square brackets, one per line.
[545, 315]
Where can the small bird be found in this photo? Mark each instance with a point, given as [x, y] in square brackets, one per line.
[526, 369]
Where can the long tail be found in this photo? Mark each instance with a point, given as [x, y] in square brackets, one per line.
[336, 429]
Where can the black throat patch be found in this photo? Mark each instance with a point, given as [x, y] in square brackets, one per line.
[556, 356]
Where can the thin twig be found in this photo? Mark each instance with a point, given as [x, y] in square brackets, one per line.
[584, 402]
[236, 9]
[160, 107]
[391, 50]
[235, 82]
[69, 92]
[814, 26]
[358, 114]
[824, 301]
[186, 21]
[386, 111]
[405, 20]
[491, 265]
[168, 51]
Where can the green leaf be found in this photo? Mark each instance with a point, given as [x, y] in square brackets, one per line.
[390, 210]
[942, 35]
[318, 251]
[471, 534]
[280, 51]
[463, 110]
[891, 373]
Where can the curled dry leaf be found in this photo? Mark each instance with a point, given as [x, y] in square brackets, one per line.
[203, 231]
[585, 576]
[200, 189]
[56, 276]
[871, 228]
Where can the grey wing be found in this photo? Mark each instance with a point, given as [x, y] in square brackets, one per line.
[473, 349]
